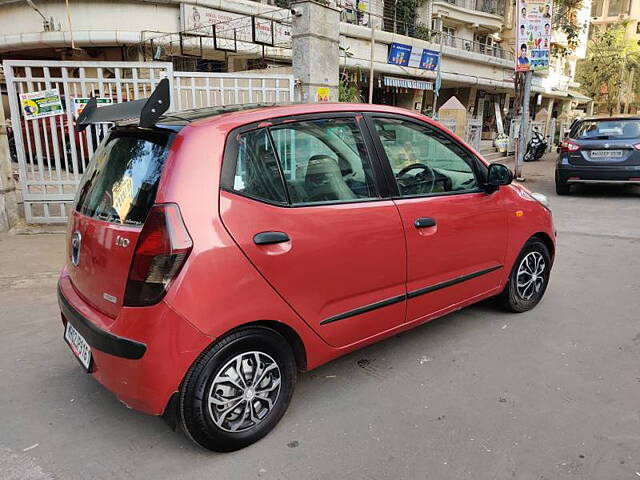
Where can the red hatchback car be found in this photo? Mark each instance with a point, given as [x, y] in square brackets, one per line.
[217, 253]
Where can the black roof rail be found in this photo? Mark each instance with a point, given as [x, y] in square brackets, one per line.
[148, 110]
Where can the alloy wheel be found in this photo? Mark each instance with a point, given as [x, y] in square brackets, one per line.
[531, 275]
[244, 391]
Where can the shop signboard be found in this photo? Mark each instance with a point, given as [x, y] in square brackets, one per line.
[533, 35]
[231, 27]
[80, 102]
[41, 104]
[407, 56]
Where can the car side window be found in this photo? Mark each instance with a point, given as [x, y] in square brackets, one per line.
[425, 161]
[257, 174]
[324, 160]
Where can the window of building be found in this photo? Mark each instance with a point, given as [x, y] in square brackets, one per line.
[618, 7]
[449, 36]
[597, 8]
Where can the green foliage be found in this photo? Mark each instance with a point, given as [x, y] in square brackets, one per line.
[348, 87]
[611, 69]
[565, 20]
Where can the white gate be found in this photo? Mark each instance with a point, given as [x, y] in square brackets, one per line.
[51, 156]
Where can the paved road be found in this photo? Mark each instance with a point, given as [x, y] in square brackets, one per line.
[550, 394]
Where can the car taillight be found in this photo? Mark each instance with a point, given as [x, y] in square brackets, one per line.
[637, 146]
[569, 146]
[163, 247]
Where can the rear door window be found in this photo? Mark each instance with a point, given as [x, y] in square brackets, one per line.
[324, 160]
[122, 180]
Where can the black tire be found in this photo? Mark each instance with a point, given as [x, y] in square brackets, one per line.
[563, 188]
[512, 298]
[198, 419]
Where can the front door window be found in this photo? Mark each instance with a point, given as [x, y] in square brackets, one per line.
[425, 161]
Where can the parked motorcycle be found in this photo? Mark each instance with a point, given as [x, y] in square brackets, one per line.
[536, 147]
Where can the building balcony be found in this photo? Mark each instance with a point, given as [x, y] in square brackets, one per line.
[492, 7]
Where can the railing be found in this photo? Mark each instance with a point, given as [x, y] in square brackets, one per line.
[416, 29]
[494, 7]
[494, 50]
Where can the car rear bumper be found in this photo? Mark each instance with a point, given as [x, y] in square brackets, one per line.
[142, 355]
[566, 173]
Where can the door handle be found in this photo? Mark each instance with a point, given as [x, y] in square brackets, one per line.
[424, 222]
[270, 238]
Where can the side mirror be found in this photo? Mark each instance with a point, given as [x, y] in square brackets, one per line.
[497, 175]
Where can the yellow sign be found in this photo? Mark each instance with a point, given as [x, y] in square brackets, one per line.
[122, 196]
[322, 94]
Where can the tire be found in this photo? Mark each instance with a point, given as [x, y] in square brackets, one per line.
[519, 299]
[211, 425]
[563, 188]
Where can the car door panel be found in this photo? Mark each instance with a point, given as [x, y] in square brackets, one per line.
[459, 258]
[456, 233]
[340, 259]
[334, 250]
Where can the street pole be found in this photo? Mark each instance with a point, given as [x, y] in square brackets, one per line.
[436, 93]
[373, 44]
[524, 121]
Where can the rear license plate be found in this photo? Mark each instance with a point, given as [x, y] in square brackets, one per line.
[606, 153]
[78, 345]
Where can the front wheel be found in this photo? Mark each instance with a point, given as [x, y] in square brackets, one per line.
[238, 390]
[528, 279]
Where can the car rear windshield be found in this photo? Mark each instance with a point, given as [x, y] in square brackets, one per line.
[607, 130]
[122, 179]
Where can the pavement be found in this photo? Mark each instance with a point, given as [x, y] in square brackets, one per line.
[550, 394]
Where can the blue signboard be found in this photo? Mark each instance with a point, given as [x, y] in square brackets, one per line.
[399, 54]
[429, 60]
[406, 56]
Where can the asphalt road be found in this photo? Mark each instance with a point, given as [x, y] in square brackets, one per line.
[550, 394]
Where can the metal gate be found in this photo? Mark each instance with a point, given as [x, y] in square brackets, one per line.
[51, 156]
[196, 89]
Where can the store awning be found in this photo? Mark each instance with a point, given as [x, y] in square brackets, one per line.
[579, 97]
[407, 83]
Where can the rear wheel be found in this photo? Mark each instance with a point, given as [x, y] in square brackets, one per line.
[239, 390]
[562, 188]
[529, 277]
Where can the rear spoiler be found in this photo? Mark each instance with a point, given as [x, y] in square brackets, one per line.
[148, 110]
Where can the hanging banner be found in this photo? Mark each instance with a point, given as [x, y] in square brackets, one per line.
[45, 103]
[533, 35]
[406, 56]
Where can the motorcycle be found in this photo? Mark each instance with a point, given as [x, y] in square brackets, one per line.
[536, 147]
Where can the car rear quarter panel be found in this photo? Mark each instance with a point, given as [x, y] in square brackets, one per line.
[218, 289]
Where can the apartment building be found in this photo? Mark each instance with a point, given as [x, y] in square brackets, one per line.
[475, 39]
[604, 14]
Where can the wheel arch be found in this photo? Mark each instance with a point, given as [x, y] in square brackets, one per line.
[546, 239]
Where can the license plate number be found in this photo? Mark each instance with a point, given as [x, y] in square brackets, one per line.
[78, 345]
[606, 153]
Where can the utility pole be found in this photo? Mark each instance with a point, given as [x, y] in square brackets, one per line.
[436, 92]
[524, 122]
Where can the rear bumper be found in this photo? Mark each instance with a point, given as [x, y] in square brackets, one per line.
[567, 173]
[142, 355]
[100, 339]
